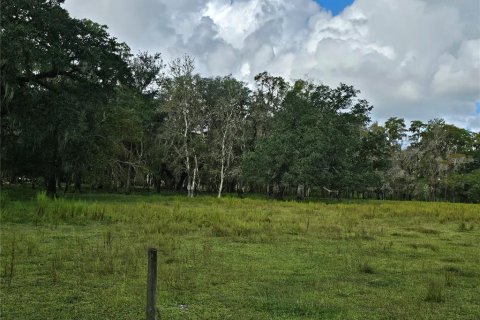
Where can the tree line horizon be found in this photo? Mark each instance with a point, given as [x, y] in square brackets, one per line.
[79, 109]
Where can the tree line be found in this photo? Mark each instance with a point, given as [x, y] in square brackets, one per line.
[78, 109]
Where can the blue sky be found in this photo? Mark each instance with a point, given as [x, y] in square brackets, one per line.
[336, 6]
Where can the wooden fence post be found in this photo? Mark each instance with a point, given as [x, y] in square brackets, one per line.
[151, 283]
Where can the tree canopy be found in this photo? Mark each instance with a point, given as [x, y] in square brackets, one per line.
[78, 109]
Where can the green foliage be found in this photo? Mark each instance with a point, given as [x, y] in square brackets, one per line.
[313, 135]
[79, 110]
[395, 128]
[57, 73]
[465, 186]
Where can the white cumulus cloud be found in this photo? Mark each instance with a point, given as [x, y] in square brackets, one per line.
[417, 59]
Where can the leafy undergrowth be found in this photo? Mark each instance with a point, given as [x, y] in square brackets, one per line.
[239, 258]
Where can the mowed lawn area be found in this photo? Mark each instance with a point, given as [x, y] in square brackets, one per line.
[235, 258]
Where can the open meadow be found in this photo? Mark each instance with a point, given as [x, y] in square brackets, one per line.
[235, 258]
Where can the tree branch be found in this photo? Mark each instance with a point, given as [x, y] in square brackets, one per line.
[45, 75]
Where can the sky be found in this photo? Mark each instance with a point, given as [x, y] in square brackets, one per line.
[416, 59]
[335, 6]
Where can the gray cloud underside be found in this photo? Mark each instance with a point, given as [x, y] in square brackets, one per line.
[417, 59]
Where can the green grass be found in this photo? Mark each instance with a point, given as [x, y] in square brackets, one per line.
[238, 258]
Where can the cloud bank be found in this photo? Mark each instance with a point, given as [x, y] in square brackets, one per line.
[417, 59]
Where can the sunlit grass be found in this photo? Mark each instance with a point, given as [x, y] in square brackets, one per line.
[234, 258]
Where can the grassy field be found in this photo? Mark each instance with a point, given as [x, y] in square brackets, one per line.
[238, 258]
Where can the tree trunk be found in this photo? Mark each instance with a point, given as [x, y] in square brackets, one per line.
[222, 169]
[52, 186]
[127, 188]
[300, 192]
[158, 183]
[67, 183]
[222, 176]
[194, 178]
[78, 182]
[279, 192]
[187, 156]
